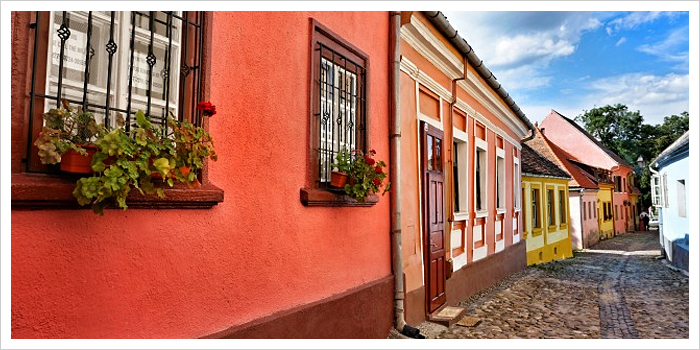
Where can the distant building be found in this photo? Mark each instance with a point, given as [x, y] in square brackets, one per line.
[575, 140]
[583, 192]
[545, 209]
[669, 186]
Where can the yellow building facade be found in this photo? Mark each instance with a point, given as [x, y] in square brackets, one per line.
[606, 214]
[546, 219]
[545, 209]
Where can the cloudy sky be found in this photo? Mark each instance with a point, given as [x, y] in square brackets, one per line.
[574, 61]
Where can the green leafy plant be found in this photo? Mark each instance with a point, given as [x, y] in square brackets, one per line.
[366, 176]
[65, 129]
[343, 161]
[193, 145]
[126, 160]
[146, 158]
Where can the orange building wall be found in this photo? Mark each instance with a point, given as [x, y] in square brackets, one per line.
[189, 273]
[410, 171]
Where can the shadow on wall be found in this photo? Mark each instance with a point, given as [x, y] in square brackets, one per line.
[680, 253]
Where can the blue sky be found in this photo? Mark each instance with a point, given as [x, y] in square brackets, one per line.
[574, 61]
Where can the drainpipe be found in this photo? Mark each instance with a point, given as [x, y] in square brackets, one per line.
[450, 33]
[450, 161]
[395, 176]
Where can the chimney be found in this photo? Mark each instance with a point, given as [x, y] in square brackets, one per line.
[542, 130]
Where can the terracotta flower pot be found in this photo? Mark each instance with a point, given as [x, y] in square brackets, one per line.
[338, 179]
[74, 162]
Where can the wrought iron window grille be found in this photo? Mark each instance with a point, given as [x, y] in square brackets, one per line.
[112, 63]
[341, 108]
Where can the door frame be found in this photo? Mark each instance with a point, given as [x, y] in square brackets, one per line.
[425, 130]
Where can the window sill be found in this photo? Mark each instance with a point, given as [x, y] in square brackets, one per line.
[41, 191]
[481, 214]
[323, 198]
[536, 232]
[461, 216]
[500, 211]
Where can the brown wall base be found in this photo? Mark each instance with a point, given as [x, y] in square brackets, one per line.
[479, 275]
[362, 312]
[414, 306]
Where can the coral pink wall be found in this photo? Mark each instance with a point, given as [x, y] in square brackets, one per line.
[189, 273]
[568, 138]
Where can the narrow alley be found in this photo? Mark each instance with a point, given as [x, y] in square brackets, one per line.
[617, 289]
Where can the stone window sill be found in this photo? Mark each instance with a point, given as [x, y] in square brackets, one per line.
[41, 191]
[324, 198]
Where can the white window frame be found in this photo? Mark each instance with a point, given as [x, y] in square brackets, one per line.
[656, 191]
[517, 204]
[461, 137]
[664, 190]
[500, 181]
[680, 195]
[482, 145]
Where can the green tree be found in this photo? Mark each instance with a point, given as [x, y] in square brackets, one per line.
[617, 128]
[625, 133]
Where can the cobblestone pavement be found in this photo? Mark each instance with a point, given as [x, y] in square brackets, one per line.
[617, 289]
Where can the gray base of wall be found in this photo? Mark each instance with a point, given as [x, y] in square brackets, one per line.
[362, 312]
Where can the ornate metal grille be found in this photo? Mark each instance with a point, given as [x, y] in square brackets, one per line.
[342, 108]
[114, 63]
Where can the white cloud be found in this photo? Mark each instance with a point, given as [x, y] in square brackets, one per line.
[673, 48]
[621, 41]
[654, 96]
[633, 20]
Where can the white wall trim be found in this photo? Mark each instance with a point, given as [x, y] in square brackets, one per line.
[417, 35]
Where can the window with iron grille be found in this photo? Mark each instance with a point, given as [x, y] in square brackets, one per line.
[115, 63]
[338, 101]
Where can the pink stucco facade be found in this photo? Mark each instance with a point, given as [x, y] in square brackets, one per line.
[578, 143]
[584, 222]
[176, 273]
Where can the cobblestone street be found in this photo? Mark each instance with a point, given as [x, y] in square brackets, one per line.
[617, 289]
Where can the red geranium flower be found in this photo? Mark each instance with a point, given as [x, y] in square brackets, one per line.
[207, 108]
[377, 182]
[372, 151]
[369, 160]
[378, 169]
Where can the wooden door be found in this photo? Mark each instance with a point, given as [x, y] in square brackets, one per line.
[432, 161]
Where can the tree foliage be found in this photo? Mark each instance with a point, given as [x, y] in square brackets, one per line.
[625, 133]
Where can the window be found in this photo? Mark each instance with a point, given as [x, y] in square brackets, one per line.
[535, 205]
[618, 185]
[681, 197]
[550, 207]
[583, 209]
[114, 63]
[459, 173]
[455, 176]
[516, 183]
[500, 179]
[624, 186]
[665, 190]
[615, 211]
[562, 207]
[595, 211]
[338, 100]
[656, 191]
[480, 177]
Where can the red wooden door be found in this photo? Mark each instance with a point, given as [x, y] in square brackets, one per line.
[434, 215]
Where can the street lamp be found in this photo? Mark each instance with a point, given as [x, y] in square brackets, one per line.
[640, 161]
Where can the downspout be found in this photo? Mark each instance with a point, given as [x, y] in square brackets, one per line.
[441, 23]
[395, 176]
[450, 161]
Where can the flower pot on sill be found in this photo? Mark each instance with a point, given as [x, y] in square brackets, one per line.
[338, 179]
[74, 162]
